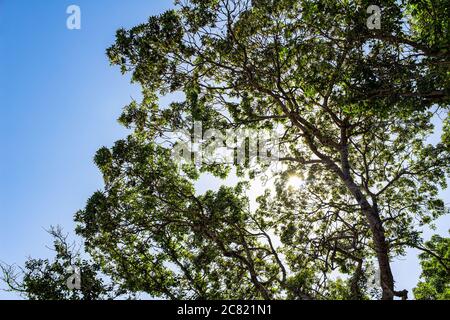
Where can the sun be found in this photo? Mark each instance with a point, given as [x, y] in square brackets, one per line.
[295, 181]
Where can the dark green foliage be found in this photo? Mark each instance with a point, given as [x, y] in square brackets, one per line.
[42, 279]
[435, 277]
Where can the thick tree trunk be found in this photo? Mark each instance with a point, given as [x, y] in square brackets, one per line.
[370, 212]
[382, 250]
[373, 218]
[379, 240]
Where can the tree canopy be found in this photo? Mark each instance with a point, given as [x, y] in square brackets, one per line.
[354, 109]
[435, 262]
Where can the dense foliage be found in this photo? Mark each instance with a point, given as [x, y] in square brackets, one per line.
[355, 108]
[435, 277]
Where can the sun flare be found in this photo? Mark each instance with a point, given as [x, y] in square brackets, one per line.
[295, 182]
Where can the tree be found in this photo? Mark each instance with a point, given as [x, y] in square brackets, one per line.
[435, 262]
[41, 279]
[354, 109]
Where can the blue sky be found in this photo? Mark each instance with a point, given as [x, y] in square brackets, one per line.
[59, 101]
